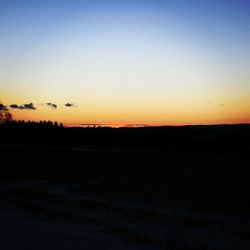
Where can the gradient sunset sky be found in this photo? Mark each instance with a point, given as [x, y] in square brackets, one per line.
[126, 62]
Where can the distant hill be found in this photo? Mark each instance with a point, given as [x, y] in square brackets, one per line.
[214, 138]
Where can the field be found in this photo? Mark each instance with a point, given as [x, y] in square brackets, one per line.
[162, 199]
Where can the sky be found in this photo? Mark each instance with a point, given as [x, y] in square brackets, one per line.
[153, 62]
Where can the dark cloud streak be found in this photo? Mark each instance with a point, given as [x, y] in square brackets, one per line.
[3, 107]
[52, 105]
[28, 106]
[69, 105]
[14, 106]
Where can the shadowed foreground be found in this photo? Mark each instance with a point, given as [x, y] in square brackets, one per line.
[159, 199]
[20, 230]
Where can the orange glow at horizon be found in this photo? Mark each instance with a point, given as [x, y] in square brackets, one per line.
[217, 114]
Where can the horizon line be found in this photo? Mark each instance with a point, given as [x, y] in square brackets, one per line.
[138, 125]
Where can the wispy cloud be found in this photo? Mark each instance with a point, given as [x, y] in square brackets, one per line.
[52, 105]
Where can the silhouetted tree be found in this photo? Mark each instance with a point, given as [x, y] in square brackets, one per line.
[5, 115]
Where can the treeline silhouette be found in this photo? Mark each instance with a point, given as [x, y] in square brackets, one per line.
[31, 124]
[210, 138]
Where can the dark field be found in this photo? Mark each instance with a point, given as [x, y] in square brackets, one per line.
[142, 188]
[197, 180]
[150, 197]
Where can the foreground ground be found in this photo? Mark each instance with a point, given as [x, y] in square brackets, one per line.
[22, 230]
[110, 198]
